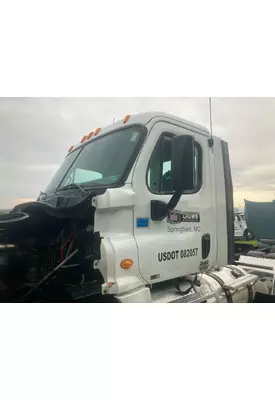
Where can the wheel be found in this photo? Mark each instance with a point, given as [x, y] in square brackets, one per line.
[248, 235]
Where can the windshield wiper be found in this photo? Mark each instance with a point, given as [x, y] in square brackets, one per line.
[72, 186]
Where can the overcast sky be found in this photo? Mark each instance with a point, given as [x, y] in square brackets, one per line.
[35, 135]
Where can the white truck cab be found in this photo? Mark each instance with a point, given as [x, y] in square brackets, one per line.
[144, 209]
[240, 227]
[163, 235]
[165, 245]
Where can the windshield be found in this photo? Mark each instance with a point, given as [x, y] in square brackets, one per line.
[102, 161]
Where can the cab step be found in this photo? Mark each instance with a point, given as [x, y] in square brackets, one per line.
[171, 295]
[240, 282]
[200, 297]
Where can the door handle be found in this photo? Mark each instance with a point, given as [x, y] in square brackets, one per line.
[205, 245]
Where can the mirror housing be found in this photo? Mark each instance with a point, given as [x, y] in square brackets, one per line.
[182, 173]
[182, 163]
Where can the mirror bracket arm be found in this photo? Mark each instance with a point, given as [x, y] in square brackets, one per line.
[161, 210]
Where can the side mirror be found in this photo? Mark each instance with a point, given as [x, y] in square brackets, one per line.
[182, 173]
[182, 165]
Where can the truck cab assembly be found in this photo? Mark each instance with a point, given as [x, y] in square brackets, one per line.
[139, 211]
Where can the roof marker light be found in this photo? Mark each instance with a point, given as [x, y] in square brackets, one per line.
[70, 149]
[83, 139]
[126, 119]
[97, 131]
[90, 135]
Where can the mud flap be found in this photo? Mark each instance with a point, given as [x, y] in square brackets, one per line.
[264, 298]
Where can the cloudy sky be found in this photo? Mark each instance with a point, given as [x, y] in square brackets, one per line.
[35, 134]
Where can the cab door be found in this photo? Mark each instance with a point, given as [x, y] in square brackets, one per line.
[184, 242]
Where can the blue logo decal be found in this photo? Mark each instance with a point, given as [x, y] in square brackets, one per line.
[142, 222]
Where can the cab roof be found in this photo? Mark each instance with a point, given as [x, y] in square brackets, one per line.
[145, 119]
